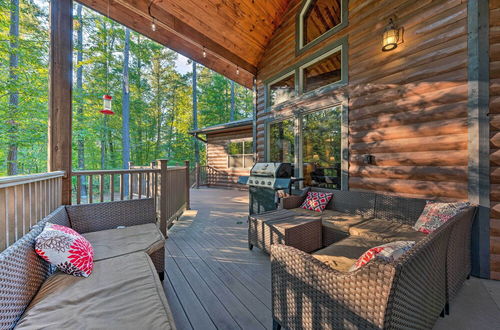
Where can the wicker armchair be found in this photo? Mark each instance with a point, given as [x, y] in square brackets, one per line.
[409, 293]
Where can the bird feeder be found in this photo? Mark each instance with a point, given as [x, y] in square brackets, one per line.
[107, 100]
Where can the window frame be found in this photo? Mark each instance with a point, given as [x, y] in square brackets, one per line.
[275, 79]
[299, 24]
[297, 119]
[316, 59]
[242, 141]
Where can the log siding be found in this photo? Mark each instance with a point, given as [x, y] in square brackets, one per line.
[407, 107]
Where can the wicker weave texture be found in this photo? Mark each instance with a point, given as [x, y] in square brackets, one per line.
[59, 217]
[459, 253]
[284, 227]
[400, 209]
[102, 216]
[22, 272]
[307, 294]
[158, 258]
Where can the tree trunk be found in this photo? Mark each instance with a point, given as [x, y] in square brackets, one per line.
[195, 114]
[13, 93]
[79, 91]
[231, 115]
[126, 105]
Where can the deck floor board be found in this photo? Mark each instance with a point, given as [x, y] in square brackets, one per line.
[212, 279]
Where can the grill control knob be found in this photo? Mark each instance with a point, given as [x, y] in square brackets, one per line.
[250, 181]
[268, 183]
[256, 181]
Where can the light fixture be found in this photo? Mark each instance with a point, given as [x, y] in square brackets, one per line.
[204, 53]
[393, 36]
[237, 70]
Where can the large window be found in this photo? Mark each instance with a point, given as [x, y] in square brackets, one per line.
[319, 19]
[323, 72]
[321, 146]
[282, 90]
[240, 153]
[282, 142]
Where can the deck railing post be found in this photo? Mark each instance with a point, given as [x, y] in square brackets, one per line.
[163, 195]
[188, 184]
[197, 175]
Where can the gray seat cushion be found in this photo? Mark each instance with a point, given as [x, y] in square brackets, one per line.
[334, 219]
[121, 293]
[386, 231]
[116, 242]
[343, 254]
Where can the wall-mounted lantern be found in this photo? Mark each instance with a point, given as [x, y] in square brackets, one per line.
[106, 108]
[393, 36]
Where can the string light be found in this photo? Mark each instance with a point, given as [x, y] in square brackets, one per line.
[204, 53]
[237, 70]
[153, 25]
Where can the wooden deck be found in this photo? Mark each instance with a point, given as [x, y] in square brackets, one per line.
[213, 281]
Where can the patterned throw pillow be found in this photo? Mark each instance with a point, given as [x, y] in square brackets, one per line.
[435, 214]
[316, 201]
[388, 252]
[66, 249]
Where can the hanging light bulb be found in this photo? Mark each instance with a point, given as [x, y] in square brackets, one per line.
[237, 70]
[204, 53]
[153, 25]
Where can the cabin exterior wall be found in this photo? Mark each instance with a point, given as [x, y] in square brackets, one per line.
[217, 157]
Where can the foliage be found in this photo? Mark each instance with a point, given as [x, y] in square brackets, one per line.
[160, 96]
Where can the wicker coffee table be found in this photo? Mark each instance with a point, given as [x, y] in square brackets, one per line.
[284, 227]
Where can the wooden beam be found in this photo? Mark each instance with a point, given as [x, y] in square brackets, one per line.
[60, 91]
[478, 130]
[176, 35]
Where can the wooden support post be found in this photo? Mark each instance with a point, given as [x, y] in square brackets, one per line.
[188, 185]
[163, 195]
[60, 92]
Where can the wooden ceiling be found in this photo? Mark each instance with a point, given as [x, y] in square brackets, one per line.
[234, 33]
[321, 16]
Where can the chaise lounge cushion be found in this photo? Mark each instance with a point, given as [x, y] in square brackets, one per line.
[386, 231]
[116, 242]
[124, 292]
[343, 254]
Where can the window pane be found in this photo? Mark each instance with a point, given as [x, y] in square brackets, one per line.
[236, 161]
[321, 140]
[282, 90]
[248, 161]
[321, 16]
[235, 148]
[282, 142]
[323, 72]
[248, 147]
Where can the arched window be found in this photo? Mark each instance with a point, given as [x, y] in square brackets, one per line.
[319, 19]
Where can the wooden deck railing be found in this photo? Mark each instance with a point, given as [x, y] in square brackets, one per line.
[24, 200]
[169, 186]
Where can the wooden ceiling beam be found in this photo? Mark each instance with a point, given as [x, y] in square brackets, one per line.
[171, 37]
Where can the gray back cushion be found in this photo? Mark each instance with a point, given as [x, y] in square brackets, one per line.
[352, 202]
[22, 272]
[401, 209]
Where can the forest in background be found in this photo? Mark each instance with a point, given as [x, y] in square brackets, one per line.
[138, 73]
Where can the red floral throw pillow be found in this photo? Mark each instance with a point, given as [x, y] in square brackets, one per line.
[66, 249]
[435, 214]
[389, 252]
[316, 201]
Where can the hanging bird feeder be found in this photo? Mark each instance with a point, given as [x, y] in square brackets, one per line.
[107, 99]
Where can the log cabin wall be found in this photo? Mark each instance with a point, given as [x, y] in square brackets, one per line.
[495, 138]
[217, 158]
[407, 107]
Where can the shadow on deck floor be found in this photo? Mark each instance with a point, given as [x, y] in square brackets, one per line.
[214, 282]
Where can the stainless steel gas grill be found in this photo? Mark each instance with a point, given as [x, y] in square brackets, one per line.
[264, 180]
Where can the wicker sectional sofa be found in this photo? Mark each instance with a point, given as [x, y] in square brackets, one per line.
[124, 290]
[316, 291]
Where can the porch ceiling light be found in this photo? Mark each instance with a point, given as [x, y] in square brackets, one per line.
[153, 23]
[393, 36]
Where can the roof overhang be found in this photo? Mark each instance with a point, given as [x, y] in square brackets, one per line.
[225, 128]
